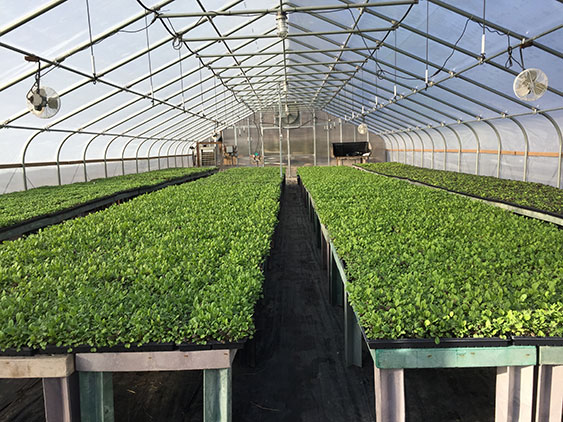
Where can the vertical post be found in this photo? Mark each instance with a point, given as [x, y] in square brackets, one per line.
[96, 397]
[328, 143]
[368, 141]
[288, 153]
[60, 396]
[262, 141]
[354, 129]
[550, 393]
[340, 122]
[280, 130]
[514, 393]
[314, 138]
[352, 336]
[217, 395]
[389, 395]
[248, 136]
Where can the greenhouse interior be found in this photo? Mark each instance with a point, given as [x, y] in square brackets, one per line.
[319, 210]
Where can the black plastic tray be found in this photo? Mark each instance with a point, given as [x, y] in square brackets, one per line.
[537, 341]
[424, 343]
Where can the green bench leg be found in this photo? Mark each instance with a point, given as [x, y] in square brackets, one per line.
[60, 396]
[389, 395]
[550, 393]
[217, 393]
[96, 397]
[352, 336]
[514, 393]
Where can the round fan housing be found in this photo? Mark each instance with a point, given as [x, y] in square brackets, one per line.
[530, 84]
[362, 129]
[44, 102]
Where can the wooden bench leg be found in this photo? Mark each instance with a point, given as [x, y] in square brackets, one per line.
[217, 392]
[389, 395]
[61, 400]
[514, 393]
[96, 397]
[550, 393]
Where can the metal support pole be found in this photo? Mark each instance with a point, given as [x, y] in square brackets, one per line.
[352, 336]
[248, 136]
[314, 138]
[96, 397]
[328, 144]
[280, 130]
[288, 153]
[340, 122]
[389, 395]
[261, 134]
[217, 395]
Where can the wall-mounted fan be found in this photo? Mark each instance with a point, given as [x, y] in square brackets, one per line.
[42, 101]
[530, 84]
[362, 129]
[290, 114]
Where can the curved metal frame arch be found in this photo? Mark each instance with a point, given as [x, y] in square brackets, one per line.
[478, 141]
[395, 145]
[433, 147]
[413, 148]
[26, 146]
[415, 132]
[58, 159]
[499, 144]
[459, 147]
[400, 135]
[560, 136]
[526, 146]
[387, 142]
[445, 145]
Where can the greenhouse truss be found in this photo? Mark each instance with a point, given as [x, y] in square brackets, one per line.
[143, 81]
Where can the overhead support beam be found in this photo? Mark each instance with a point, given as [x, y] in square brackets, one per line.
[82, 46]
[290, 35]
[30, 16]
[279, 53]
[287, 9]
[495, 26]
[293, 64]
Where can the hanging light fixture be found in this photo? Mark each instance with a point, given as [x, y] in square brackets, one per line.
[281, 21]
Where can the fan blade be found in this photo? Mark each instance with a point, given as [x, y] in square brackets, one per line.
[522, 89]
[53, 102]
[539, 88]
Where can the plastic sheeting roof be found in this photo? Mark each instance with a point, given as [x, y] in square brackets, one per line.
[134, 76]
